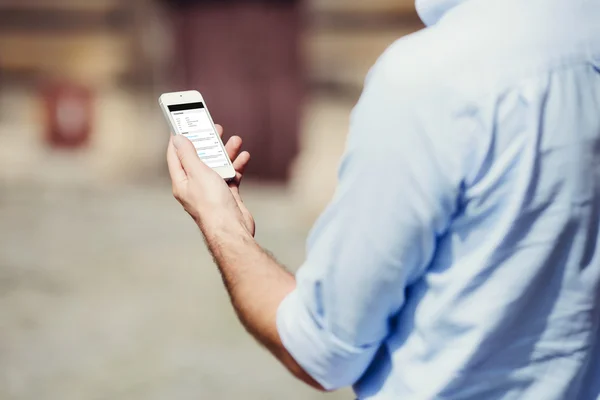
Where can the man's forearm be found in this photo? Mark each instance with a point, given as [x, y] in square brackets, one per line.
[257, 285]
[255, 282]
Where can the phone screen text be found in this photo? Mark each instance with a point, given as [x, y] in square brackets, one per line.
[192, 121]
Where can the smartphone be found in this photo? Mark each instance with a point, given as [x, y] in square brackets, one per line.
[187, 115]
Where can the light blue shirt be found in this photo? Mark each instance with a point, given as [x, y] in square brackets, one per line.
[460, 257]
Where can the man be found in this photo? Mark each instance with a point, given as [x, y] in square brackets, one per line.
[460, 256]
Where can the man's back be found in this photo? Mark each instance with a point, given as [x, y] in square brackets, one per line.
[510, 305]
[484, 265]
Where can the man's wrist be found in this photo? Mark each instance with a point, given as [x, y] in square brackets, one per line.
[217, 222]
[223, 230]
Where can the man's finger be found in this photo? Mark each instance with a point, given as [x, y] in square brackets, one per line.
[219, 130]
[233, 147]
[188, 157]
[175, 168]
[241, 162]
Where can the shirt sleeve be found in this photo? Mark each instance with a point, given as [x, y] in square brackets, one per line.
[397, 191]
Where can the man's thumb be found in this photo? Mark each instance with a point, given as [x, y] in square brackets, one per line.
[187, 154]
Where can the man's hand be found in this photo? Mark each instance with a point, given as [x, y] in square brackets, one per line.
[202, 192]
[256, 283]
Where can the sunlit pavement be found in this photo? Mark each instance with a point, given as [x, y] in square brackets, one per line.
[109, 294]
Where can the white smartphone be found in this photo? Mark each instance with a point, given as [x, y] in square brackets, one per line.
[187, 115]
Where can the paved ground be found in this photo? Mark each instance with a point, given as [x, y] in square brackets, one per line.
[108, 293]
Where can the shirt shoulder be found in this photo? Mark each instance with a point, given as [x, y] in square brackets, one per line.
[413, 102]
[442, 64]
[480, 50]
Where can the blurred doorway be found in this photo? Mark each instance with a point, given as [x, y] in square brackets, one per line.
[245, 57]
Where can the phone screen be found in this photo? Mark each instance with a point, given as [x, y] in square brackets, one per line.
[192, 121]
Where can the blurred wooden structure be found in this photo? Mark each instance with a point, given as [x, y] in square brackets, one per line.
[95, 41]
[253, 59]
[245, 57]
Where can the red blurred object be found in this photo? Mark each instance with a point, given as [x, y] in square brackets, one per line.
[68, 114]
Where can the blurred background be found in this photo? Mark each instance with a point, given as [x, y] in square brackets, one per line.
[106, 290]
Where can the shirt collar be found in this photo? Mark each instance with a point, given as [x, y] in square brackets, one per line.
[431, 11]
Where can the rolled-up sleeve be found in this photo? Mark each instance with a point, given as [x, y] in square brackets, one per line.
[396, 193]
[323, 356]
